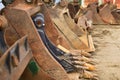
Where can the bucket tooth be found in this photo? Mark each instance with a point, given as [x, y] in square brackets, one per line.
[83, 64]
[89, 75]
[80, 52]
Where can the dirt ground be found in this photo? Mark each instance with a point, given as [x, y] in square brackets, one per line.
[107, 55]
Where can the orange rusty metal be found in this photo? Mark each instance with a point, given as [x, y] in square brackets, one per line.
[94, 9]
[14, 60]
[105, 14]
[53, 34]
[42, 75]
[19, 16]
[63, 26]
[10, 36]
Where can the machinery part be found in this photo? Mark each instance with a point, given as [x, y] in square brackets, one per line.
[73, 26]
[10, 40]
[55, 52]
[79, 31]
[52, 32]
[89, 75]
[72, 10]
[25, 26]
[40, 74]
[14, 60]
[94, 9]
[103, 14]
[73, 38]
[17, 57]
[106, 15]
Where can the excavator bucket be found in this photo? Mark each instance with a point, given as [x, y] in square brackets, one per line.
[94, 9]
[14, 63]
[91, 12]
[34, 72]
[15, 59]
[66, 25]
[78, 30]
[52, 32]
[26, 26]
[106, 15]
[103, 14]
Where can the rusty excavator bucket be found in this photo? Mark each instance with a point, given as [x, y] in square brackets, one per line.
[91, 12]
[78, 38]
[44, 53]
[103, 14]
[78, 30]
[94, 9]
[14, 61]
[26, 26]
[106, 14]
[52, 32]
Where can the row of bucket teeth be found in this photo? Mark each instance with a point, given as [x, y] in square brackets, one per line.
[83, 63]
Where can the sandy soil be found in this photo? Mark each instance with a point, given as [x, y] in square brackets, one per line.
[107, 55]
